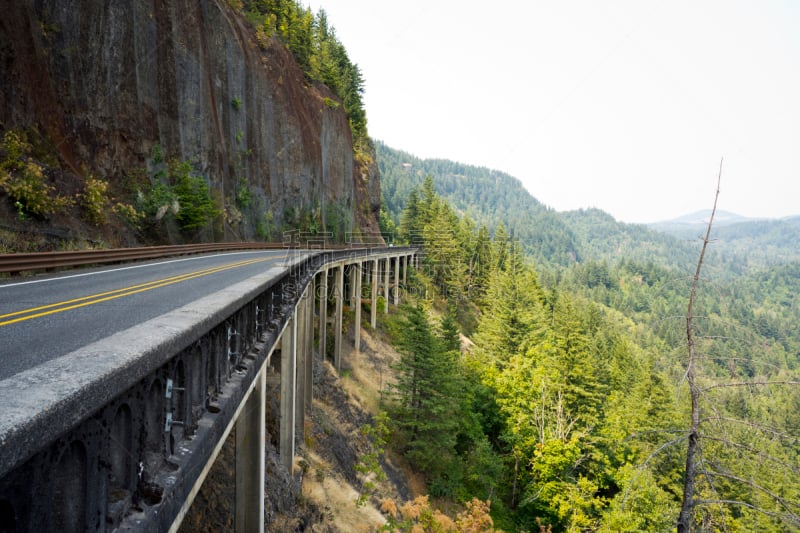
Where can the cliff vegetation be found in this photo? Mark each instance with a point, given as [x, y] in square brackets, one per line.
[186, 121]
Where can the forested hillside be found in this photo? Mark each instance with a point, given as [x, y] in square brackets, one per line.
[568, 408]
[485, 196]
[490, 197]
[747, 243]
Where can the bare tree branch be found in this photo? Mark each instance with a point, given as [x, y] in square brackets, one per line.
[767, 429]
[790, 517]
[754, 451]
[791, 507]
[663, 447]
[749, 383]
[685, 516]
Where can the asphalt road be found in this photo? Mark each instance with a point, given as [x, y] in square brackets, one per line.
[47, 317]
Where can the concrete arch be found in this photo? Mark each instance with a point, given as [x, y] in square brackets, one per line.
[69, 490]
[8, 518]
[120, 456]
[153, 418]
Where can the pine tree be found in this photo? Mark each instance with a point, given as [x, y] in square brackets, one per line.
[410, 225]
[514, 314]
[427, 397]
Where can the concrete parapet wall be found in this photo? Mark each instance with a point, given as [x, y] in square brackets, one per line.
[117, 435]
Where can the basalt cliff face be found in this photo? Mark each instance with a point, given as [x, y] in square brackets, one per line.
[107, 82]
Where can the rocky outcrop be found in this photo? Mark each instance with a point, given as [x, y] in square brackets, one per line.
[107, 81]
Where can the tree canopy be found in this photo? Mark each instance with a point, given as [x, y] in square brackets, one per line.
[569, 408]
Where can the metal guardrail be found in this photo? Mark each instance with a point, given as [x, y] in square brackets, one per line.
[16, 263]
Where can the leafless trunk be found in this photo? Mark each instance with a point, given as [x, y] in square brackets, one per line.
[685, 518]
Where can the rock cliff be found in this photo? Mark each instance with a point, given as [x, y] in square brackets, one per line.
[106, 83]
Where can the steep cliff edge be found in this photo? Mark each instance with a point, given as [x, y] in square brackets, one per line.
[107, 84]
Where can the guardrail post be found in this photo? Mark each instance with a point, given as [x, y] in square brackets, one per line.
[357, 333]
[250, 440]
[288, 364]
[373, 309]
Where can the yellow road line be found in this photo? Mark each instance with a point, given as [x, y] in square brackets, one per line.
[118, 293]
[83, 298]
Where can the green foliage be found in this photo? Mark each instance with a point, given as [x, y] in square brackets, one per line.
[317, 50]
[95, 200]
[25, 181]
[387, 226]
[265, 226]
[244, 196]
[369, 463]
[236, 103]
[568, 411]
[197, 209]
[428, 403]
[176, 193]
[488, 197]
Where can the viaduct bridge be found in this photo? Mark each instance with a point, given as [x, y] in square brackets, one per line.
[118, 432]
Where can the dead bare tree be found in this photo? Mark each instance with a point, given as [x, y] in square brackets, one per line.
[711, 470]
[685, 519]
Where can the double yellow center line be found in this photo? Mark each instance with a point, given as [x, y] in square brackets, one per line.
[84, 301]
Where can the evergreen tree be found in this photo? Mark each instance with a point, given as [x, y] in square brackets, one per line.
[410, 224]
[514, 314]
[426, 398]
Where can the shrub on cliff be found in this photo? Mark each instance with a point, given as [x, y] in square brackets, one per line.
[176, 192]
[24, 180]
[197, 209]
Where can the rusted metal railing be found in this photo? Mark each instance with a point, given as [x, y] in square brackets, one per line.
[22, 262]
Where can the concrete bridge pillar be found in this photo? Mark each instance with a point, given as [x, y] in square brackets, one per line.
[337, 350]
[357, 292]
[250, 441]
[373, 309]
[396, 280]
[386, 286]
[323, 314]
[301, 351]
[288, 377]
[309, 393]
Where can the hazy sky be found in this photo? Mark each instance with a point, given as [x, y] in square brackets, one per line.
[623, 105]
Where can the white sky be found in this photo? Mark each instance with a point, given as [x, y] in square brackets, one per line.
[623, 105]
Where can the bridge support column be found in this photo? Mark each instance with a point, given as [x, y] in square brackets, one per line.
[302, 351]
[386, 286]
[357, 292]
[351, 285]
[310, 351]
[288, 378]
[405, 269]
[337, 350]
[374, 281]
[396, 280]
[250, 440]
[323, 314]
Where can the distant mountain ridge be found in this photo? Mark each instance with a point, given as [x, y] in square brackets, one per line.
[559, 239]
[486, 196]
[721, 218]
